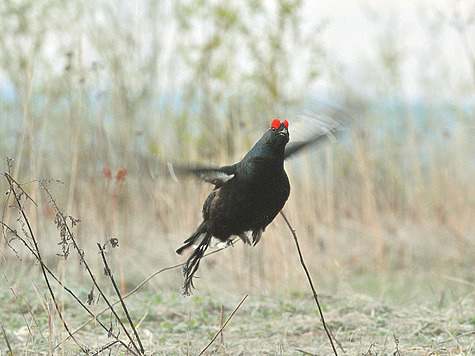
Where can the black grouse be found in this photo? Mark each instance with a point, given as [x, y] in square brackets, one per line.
[247, 195]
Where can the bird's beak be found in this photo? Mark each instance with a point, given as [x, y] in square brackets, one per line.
[283, 132]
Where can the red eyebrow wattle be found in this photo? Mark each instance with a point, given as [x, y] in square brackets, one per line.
[275, 124]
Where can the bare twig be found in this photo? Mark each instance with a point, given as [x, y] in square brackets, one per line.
[315, 296]
[455, 337]
[105, 347]
[23, 297]
[10, 179]
[35, 252]
[305, 352]
[221, 337]
[6, 339]
[22, 314]
[224, 325]
[109, 274]
[139, 286]
[12, 184]
[88, 269]
[68, 290]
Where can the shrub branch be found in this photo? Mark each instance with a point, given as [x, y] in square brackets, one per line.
[70, 235]
[315, 296]
[139, 286]
[12, 183]
[110, 275]
[34, 250]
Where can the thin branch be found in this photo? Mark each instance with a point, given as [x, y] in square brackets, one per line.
[105, 347]
[22, 295]
[45, 267]
[455, 337]
[224, 325]
[315, 296]
[6, 339]
[93, 316]
[11, 183]
[109, 273]
[305, 352]
[10, 178]
[23, 314]
[221, 337]
[88, 269]
[139, 286]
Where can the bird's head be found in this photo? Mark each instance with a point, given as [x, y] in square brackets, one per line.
[278, 133]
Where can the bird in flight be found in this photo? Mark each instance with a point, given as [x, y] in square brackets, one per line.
[247, 195]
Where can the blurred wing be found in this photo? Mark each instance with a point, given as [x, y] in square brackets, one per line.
[214, 175]
[311, 128]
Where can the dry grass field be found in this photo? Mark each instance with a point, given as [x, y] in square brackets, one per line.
[387, 285]
[94, 104]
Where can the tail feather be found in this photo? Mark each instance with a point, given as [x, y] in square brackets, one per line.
[256, 236]
[185, 246]
[193, 262]
[193, 238]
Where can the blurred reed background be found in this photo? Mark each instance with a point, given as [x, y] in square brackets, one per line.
[88, 89]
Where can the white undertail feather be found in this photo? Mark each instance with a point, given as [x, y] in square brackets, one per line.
[217, 242]
[198, 241]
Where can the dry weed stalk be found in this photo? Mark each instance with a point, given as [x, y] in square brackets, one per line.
[108, 272]
[68, 290]
[119, 178]
[67, 240]
[139, 286]
[315, 295]
[23, 298]
[105, 347]
[6, 339]
[223, 326]
[305, 352]
[67, 235]
[12, 183]
[221, 337]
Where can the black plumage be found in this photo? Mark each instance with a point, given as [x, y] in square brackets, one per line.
[247, 195]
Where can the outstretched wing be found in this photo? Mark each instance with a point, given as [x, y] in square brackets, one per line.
[214, 175]
[311, 128]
